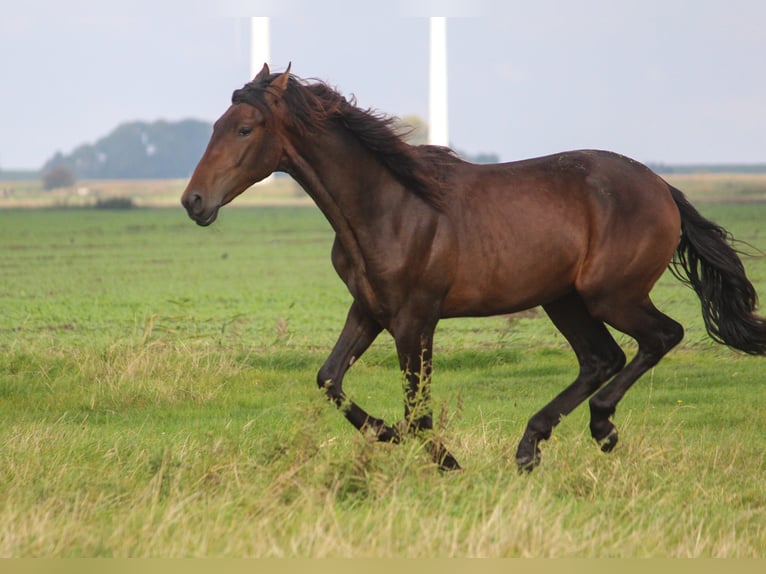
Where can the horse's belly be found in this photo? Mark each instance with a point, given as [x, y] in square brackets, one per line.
[507, 287]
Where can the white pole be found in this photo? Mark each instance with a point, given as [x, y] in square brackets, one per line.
[259, 44]
[260, 53]
[437, 83]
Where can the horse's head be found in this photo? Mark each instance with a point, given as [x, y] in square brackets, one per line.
[245, 148]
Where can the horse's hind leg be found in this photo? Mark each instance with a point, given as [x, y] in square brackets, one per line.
[599, 356]
[656, 334]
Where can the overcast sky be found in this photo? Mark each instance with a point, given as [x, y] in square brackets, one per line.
[674, 81]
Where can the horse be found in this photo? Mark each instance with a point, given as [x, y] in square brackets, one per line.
[422, 235]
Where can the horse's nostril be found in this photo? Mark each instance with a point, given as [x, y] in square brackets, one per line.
[193, 202]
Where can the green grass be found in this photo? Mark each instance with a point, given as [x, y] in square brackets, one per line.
[157, 398]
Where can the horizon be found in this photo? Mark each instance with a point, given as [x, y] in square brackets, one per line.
[665, 84]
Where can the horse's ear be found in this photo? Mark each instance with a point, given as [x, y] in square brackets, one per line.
[263, 74]
[280, 82]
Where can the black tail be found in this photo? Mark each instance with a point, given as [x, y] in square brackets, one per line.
[712, 267]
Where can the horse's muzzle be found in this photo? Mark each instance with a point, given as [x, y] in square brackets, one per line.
[195, 207]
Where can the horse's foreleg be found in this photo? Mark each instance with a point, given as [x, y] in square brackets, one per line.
[358, 334]
[414, 349]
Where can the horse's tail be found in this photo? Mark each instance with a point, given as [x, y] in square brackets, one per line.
[706, 261]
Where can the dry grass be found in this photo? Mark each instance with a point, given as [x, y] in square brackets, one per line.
[280, 191]
[148, 451]
[283, 191]
[720, 187]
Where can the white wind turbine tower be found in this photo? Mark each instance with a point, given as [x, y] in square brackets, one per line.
[260, 52]
[437, 83]
[438, 134]
[260, 44]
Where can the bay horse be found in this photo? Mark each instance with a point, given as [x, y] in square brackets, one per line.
[422, 235]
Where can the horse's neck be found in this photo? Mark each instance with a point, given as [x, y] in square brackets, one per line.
[327, 198]
[335, 171]
[341, 176]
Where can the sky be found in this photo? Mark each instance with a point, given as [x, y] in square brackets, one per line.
[669, 81]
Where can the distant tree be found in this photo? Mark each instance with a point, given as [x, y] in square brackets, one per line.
[58, 176]
[414, 128]
[481, 157]
[137, 150]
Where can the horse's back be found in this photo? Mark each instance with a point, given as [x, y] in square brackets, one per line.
[533, 230]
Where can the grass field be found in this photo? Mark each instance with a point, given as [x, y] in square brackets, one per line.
[157, 399]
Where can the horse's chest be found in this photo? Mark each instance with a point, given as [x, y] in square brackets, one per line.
[354, 275]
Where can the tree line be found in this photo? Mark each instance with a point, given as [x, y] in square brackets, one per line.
[161, 150]
[134, 150]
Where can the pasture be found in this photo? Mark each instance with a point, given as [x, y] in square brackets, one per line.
[158, 399]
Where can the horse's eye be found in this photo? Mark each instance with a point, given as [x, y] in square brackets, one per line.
[245, 131]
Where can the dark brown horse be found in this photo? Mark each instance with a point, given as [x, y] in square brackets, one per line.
[421, 235]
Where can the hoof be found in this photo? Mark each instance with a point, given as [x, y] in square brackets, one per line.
[528, 454]
[608, 443]
[448, 462]
[440, 455]
[377, 430]
[388, 434]
[526, 462]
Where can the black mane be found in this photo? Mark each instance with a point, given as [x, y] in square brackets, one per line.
[313, 106]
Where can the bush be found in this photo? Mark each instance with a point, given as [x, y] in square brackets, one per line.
[115, 203]
[59, 176]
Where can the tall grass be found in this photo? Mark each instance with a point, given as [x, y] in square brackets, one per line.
[158, 400]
